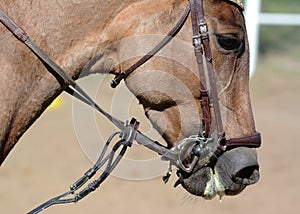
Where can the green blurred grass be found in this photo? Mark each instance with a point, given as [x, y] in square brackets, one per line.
[279, 38]
[285, 6]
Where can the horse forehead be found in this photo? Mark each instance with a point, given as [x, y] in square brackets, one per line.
[224, 13]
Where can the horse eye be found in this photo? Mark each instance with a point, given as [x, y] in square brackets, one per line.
[228, 42]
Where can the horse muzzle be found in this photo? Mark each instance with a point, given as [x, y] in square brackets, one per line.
[229, 175]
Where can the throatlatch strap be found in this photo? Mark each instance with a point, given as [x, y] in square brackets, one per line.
[115, 82]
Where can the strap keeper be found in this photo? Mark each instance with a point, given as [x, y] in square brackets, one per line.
[133, 126]
[203, 30]
[203, 93]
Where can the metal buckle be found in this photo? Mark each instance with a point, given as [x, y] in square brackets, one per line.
[203, 29]
[197, 41]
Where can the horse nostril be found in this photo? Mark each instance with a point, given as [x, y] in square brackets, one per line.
[247, 176]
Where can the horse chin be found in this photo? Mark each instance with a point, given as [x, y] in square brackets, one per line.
[233, 172]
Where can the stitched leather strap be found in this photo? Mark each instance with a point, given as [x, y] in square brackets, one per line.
[115, 82]
[197, 42]
[201, 44]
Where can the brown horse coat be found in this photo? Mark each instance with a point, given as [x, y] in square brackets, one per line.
[87, 36]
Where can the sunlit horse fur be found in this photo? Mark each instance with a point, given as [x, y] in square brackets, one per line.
[83, 35]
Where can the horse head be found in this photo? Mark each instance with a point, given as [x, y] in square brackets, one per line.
[168, 86]
[169, 90]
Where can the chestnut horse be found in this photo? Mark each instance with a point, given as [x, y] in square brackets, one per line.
[89, 36]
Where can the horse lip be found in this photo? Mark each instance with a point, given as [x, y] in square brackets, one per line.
[195, 182]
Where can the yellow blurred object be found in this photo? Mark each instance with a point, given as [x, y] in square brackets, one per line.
[57, 103]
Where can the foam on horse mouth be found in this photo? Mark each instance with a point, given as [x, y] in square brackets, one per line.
[214, 186]
[205, 182]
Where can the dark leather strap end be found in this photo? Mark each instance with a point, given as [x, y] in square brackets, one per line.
[250, 141]
[116, 81]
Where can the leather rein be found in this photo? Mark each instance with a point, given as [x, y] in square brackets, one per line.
[129, 129]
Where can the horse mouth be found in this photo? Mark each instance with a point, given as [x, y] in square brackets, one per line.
[232, 173]
[204, 182]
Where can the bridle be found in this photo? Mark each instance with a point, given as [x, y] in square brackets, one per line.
[201, 44]
[194, 147]
[207, 97]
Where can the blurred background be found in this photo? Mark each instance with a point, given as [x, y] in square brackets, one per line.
[49, 158]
